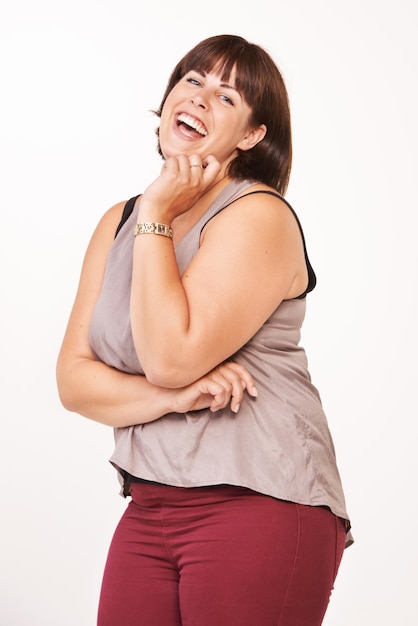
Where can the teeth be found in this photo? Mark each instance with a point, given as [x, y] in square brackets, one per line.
[193, 123]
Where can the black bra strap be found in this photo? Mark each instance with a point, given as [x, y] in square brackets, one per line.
[127, 210]
[129, 206]
[311, 273]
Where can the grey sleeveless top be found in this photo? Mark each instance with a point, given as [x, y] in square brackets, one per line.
[278, 444]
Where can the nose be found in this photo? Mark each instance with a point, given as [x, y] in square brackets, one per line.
[200, 100]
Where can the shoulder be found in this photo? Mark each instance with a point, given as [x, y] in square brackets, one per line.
[105, 231]
[112, 216]
[110, 220]
[263, 195]
[258, 206]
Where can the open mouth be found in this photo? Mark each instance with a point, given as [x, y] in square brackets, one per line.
[192, 125]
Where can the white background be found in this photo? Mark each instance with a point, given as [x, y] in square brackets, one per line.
[78, 80]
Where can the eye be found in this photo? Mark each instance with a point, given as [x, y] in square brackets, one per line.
[193, 81]
[226, 99]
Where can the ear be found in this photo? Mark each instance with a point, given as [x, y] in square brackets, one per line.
[253, 137]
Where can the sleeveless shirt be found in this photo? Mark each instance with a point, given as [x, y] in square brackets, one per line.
[278, 444]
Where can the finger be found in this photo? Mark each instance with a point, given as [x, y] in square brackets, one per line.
[211, 168]
[217, 392]
[184, 165]
[192, 169]
[171, 163]
[233, 385]
[224, 393]
[236, 389]
[218, 402]
[195, 162]
[210, 161]
[246, 380]
[229, 389]
[170, 169]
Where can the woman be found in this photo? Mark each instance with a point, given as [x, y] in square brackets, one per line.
[184, 337]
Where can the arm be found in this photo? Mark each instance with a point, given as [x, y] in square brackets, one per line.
[250, 259]
[104, 394]
[86, 385]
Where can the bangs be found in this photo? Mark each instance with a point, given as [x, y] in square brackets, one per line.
[223, 57]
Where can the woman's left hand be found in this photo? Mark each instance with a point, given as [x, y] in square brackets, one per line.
[182, 181]
[224, 385]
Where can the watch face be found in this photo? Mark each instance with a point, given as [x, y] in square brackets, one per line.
[163, 229]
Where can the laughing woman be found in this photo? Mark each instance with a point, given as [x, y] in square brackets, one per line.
[184, 336]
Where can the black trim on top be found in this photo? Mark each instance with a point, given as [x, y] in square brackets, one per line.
[129, 206]
[311, 273]
[127, 210]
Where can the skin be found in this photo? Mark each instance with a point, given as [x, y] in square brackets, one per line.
[186, 366]
[256, 237]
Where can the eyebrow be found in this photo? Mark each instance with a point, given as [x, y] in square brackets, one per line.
[229, 87]
[223, 85]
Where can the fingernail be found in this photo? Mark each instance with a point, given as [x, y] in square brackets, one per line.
[254, 392]
[236, 408]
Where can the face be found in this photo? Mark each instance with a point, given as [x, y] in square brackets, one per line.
[204, 115]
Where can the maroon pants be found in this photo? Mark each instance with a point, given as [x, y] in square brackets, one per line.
[219, 556]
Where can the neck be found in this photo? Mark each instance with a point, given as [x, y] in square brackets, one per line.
[211, 193]
[184, 222]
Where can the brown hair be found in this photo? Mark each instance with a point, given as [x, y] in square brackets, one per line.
[261, 85]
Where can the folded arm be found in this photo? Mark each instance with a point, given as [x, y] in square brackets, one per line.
[104, 394]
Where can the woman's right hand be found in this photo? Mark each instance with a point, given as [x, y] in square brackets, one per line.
[182, 181]
[224, 385]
